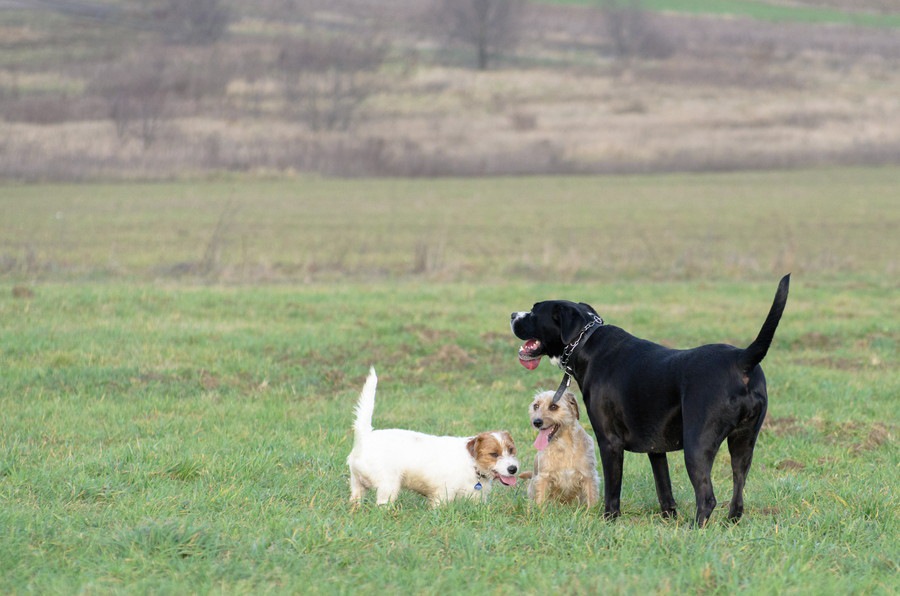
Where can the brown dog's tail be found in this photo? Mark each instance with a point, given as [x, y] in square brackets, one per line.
[755, 352]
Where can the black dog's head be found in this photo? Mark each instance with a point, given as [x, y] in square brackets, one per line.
[548, 328]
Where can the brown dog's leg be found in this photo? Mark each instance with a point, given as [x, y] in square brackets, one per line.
[539, 486]
[590, 494]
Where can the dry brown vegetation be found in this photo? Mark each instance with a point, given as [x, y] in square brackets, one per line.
[349, 87]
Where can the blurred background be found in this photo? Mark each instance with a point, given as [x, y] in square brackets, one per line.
[106, 89]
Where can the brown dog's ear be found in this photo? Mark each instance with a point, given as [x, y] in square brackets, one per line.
[472, 446]
[573, 401]
[571, 321]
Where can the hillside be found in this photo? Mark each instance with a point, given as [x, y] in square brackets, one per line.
[352, 87]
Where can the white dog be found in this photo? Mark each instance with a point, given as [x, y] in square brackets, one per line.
[439, 468]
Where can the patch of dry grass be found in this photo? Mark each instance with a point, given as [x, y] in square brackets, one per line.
[820, 224]
[733, 94]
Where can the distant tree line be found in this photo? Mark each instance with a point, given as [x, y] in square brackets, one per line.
[324, 76]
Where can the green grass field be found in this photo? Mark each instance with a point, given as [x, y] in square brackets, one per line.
[181, 362]
[763, 10]
[823, 225]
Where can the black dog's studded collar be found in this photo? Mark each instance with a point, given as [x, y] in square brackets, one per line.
[595, 323]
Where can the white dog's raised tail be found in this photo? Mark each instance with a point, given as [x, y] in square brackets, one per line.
[365, 408]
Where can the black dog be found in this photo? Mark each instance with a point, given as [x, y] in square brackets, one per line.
[646, 398]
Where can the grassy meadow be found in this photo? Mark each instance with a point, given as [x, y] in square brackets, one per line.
[116, 90]
[793, 12]
[181, 361]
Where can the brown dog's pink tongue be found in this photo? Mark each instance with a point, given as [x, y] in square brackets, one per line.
[543, 439]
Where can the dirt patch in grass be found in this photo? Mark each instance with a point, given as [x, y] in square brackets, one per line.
[816, 340]
[859, 436]
[789, 464]
[832, 362]
[785, 426]
[448, 355]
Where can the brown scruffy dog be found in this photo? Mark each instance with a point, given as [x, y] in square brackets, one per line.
[565, 467]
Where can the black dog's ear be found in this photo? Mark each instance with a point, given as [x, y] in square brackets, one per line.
[571, 322]
[589, 308]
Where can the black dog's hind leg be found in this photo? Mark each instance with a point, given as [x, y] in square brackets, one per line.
[660, 466]
[740, 445]
[699, 462]
[611, 458]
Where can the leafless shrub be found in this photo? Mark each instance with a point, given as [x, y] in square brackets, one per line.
[429, 256]
[489, 26]
[632, 33]
[28, 264]
[141, 91]
[211, 264]
[212, 254]
[52, 109]
[326, 79]
[23, 292]
[193, 22]
[136, 92]
[629, 106]
[196, 75]
[522, 121]
[715, 72]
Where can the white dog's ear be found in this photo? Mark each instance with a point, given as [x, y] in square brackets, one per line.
[573, 403]
[472, 446]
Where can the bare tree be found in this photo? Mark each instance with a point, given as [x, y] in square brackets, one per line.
[193, 22]
[631, 31]
[326, 79]
[489, 26]
[136, 92]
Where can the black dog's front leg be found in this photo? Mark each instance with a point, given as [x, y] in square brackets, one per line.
[660, 465]
[611, 458]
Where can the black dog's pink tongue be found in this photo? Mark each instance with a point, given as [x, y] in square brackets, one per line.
[525, 358]
[529, 363]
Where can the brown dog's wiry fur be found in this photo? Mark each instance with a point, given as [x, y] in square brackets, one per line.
[565, 469]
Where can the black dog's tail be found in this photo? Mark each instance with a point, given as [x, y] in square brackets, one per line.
[755, 352]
